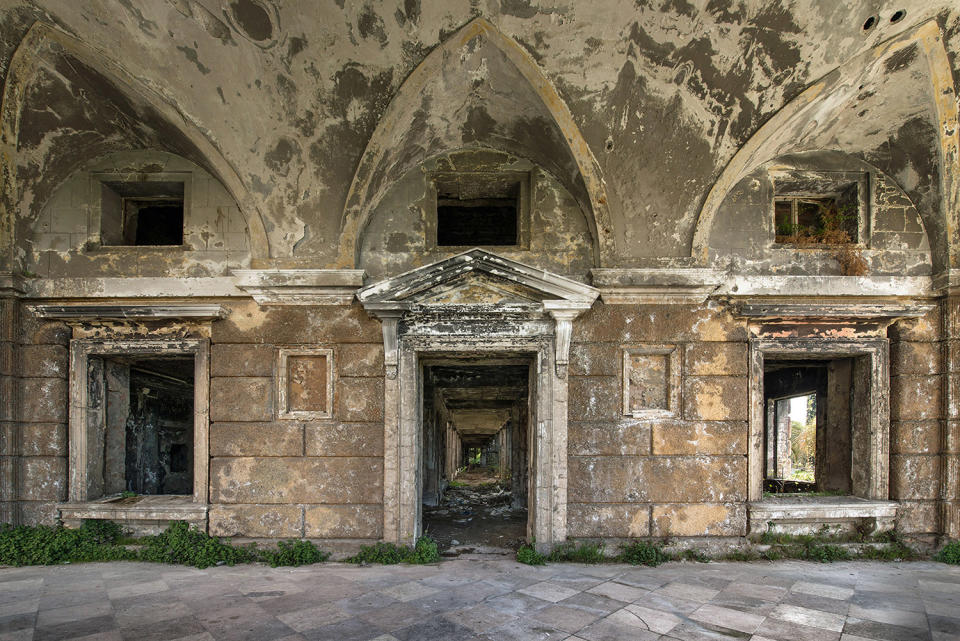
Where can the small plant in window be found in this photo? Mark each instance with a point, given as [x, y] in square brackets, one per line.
[824, 222]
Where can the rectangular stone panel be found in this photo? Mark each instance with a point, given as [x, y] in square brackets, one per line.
[914, 397]
[914, 476]
[344, 522]
[241, 399]
[241, 360]
[649, 382]
[715, 398]
[337, 480]
[44, 478]
[608, 520]
[324, 438]
[608, 479]
[715, 359]
[594, 398]
[699, 519]
[306, 383]
[44, 400]
[256, 439]
[264, 521]
[39, 512]
[624, 438]
[360, 400]
[701, 437]
[917, 517]
[700, 479]
[360, 359]
[914, 358]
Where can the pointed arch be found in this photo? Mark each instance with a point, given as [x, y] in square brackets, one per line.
[365, 193]
[813, 106]
[41, 40]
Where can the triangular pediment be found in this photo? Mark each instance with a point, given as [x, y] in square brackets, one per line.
[477, 277]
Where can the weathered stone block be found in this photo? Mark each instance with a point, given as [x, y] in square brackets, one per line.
[296, 325]
[914, 358]
[715, 398]
[925, 328]
[256, 439]
[338, 480]
[44, 478]
[344, 439]
[44, 439]
[44, 361]
[607, 479]
[242, 360]
[8, 392]
[914, 437]
[658, 323]
[594, 398]
[8, 358]
[624, 438]
[241, 399]
[714, 437]
[701, 479]
[36, 331]
[39, 512]
[917, 517]
[914, 476]
[46, 400]
[360, 400]
[608, 520]
[715, 359]
[8, 438]
[344, 522]
[914, 397]
[266, 521]
[699, 519]
[595, 359]
[361, 359]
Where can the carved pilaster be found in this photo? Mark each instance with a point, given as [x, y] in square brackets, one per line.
[950, 425]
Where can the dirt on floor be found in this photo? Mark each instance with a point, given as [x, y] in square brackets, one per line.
[476, 513]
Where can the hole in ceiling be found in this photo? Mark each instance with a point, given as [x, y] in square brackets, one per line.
[253, 19]
[898, 15]
[868, 25]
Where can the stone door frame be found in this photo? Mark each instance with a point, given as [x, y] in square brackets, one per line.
[547, 453]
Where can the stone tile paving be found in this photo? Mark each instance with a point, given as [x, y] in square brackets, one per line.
[484, 598]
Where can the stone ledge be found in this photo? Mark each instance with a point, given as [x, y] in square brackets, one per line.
[196, 312]
[659, 285]
[300, 286]
[808, 514]
[140, 515]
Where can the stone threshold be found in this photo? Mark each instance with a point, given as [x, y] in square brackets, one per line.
[808, 514]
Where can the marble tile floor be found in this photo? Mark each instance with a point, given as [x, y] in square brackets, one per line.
[484, 598]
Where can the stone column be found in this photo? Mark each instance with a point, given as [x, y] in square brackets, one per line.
[950, 432]
[11, 289]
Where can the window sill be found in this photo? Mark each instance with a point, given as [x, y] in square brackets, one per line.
[808, 514]
[139, 514]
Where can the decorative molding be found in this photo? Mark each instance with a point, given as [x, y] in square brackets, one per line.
[671, 382]
[826, 286]
[300, 286]
[657, 285]
[849, 311]
[285, 404]
[79, 313]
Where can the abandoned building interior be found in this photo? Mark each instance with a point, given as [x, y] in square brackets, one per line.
[491, 271]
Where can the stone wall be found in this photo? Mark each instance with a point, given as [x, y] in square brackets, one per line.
[682, 474]
[274, 477]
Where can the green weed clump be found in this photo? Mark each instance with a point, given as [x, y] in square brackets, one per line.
[642, 553]
[180, 544]
[528, 555]
[45, 545]
[950, 553]
[294, 554]
[582, 553]
[424, 551]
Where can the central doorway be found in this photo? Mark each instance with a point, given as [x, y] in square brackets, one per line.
[475, 469]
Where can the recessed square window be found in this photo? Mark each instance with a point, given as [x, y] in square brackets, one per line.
[479, 209]
[819, 208]
[141, 213]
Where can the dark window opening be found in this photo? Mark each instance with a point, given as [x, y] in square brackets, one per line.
[144, 409]
[810, 409]
[826, 220]
[145, 213]
[478, 209]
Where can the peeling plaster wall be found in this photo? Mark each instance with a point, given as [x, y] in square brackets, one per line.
[65, 244]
